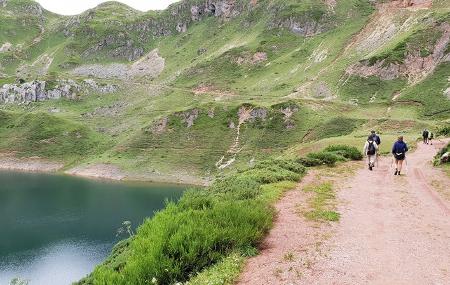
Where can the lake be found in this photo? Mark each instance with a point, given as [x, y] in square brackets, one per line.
[54, 229]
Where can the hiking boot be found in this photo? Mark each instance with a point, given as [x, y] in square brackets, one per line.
[370, 167]
[396, 172]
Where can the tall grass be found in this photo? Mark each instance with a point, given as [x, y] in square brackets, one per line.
[206, 225]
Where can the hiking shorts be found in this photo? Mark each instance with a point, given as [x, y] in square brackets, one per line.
[399, 156]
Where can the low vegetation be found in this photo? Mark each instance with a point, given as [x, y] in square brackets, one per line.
[322, 203]
[209, 232]
[204, 228]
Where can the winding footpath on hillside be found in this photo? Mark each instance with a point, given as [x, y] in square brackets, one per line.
[392, 230]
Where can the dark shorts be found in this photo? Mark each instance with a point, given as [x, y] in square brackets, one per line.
[400, 156]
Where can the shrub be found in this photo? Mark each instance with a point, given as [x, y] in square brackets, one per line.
[271, 174]
[309, 162]
[348, 152]
[205, 226]
[288, 164]
[326, 158]
[445, 131]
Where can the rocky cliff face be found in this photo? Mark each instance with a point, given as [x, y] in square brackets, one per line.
[41, 90]
[415, 66]
[127, 42]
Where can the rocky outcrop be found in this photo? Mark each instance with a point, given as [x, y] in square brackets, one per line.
[6, 47]
[300, 26]
[128, 43]
[149, 66]
[188, 117]
[447, 93]
[159, 126]
[41, 90]
[247, 58]
[288, 113]
[414, 67]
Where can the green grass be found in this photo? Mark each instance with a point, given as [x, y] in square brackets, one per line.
[47, 136]
[335, 127]
[322, 203]
[207, 231]
[371, 89]
[434, 104]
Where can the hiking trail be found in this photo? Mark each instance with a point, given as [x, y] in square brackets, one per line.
[392, 230]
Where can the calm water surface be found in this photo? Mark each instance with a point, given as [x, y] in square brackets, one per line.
[55, 229]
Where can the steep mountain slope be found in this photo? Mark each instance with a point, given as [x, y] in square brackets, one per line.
[207, 86]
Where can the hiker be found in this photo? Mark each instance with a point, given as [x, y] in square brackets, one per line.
[430, 138]
[376, 138]
[425, 134]
[370, 150]
[399, 150]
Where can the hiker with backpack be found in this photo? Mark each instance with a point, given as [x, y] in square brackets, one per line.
[430, 138]
[370, 151]
[399, 150]
[376, 138]
[425, 134]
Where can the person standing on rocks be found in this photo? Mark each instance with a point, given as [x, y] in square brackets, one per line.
[370, 151]
[399, 150]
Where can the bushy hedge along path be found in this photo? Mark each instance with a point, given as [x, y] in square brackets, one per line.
[207, 225]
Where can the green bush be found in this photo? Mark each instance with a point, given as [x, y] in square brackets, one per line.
[324, 158]
[309, 162]
[437, 158]
[271, 174]
[348, 152]
[288, 164]
[444, 131]
[203, 228]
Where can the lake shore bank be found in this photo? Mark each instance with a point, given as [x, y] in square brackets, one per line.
[9, 162]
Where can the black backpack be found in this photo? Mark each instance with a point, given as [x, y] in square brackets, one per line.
[371, 149]
[425, 134]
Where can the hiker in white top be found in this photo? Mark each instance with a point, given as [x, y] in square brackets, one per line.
[370, 151]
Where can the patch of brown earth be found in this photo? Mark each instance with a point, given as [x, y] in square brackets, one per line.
[212, 90]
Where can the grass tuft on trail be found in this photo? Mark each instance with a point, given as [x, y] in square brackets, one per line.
[322, 203]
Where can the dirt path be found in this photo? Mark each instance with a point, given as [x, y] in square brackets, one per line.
[393, 230]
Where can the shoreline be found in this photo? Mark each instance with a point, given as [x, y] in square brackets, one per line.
[106, 172]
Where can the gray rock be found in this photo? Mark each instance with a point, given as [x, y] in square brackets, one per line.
[38, 91]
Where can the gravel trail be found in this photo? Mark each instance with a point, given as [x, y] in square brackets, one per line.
[393, 230]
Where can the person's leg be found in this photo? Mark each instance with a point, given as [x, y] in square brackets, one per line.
[400, 165]
[396, 166]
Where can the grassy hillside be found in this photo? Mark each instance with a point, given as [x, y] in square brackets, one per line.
[259, 79]
[296, 52]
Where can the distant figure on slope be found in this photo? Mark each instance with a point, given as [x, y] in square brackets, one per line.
[370, 150]
[430, 138]
[399, 150]
[425, 134]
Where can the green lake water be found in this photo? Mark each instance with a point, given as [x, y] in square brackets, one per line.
[54, 229]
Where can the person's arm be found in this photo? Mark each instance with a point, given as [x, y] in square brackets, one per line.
[365, 149]
[406, 147]
[393, 149]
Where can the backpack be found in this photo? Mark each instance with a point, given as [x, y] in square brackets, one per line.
[425, 134]
[371, 149]
[377, 140]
